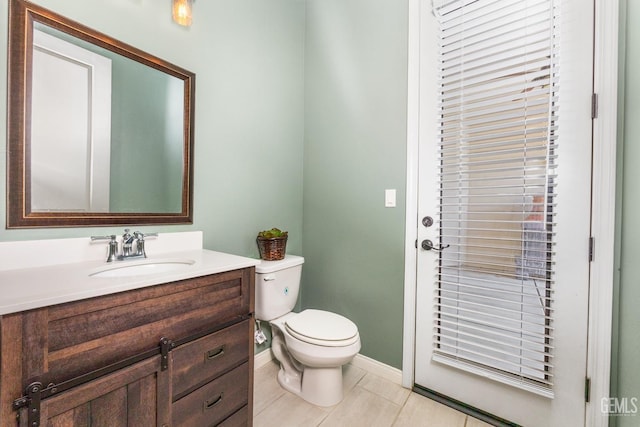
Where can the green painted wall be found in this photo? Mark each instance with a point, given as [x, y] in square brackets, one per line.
[248, 56]
[355, 148]
[625, 375]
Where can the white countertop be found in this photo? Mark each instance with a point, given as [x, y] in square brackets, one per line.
[29, 288]
[34, 286]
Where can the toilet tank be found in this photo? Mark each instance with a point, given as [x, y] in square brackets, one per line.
[277, 287]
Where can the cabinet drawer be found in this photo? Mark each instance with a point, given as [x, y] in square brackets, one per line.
[239, 419]
[86, 335]
[215, 401]
[200, 361]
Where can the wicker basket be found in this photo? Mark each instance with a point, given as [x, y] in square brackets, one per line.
[272, 249]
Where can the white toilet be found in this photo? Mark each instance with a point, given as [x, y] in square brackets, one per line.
[312, 345]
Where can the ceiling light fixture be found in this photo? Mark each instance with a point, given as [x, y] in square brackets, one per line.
[181, 12]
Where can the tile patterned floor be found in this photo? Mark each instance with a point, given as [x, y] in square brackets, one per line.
[369, 401]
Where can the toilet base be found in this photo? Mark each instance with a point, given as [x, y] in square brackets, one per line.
[290, 382]
[322, 386]
[318, 386]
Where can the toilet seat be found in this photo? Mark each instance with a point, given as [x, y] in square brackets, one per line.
[322, 328]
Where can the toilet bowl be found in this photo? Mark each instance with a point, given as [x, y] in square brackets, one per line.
[311, 346]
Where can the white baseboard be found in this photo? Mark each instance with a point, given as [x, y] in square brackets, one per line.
[363, 362]
[262, 358]
[378, 368]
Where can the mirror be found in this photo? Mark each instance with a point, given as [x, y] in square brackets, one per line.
[99, 132]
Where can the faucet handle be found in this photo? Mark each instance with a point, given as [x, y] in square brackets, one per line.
[140, 235]
[140, 250]
[112, 250]
[110, 237]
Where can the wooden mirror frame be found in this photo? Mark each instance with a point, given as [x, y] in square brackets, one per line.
[22, 16]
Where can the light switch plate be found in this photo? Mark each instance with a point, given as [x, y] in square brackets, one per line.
[390, 198]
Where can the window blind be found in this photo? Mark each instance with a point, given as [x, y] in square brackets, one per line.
[498, 115]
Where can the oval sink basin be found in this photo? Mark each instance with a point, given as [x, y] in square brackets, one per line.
[143, 268]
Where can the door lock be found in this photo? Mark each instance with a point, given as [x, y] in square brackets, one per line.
[427, 221]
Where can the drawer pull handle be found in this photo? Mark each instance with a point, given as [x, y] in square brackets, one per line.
[208, 404]
[215, 353]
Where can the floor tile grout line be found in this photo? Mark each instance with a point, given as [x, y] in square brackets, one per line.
[384, 397]
[395, 419]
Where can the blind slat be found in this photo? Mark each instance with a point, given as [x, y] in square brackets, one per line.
[489, 325]
[501, 361]
[502, 44]
[507, 291]
[450, 325]
[490, 300]
[512, 21]
[479, 11]
[497, 126]
[500, 347]
[507, 84]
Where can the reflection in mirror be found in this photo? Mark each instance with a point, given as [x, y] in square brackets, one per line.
[70, 125]
[107, 134]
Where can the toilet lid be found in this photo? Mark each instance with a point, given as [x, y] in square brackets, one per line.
[324, 327]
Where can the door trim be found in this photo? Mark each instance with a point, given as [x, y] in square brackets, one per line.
[411, 202]
[603, 207]
[603, 203]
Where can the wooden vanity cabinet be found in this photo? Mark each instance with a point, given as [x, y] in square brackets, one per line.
[175, 354]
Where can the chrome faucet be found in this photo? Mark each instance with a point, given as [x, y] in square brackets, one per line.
[140, 251]
[132, 245]
[127, 245]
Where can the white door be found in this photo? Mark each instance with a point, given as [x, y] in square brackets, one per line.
[501, 315]
[70, 145]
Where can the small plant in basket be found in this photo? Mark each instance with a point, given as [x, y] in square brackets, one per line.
[272, 244]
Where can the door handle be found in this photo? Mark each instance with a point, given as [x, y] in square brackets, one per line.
[427, 245]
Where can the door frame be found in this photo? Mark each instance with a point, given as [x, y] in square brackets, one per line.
[603, 203]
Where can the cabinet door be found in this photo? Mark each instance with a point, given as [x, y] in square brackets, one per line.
[133, 396]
